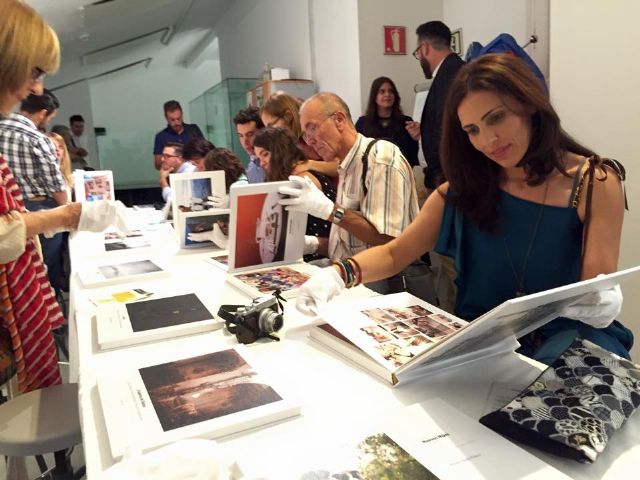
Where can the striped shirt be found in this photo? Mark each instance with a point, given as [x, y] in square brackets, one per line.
[31, 156]
[391, 203]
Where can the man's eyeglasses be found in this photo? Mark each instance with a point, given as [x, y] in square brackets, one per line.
[416, 53]
[38, 74]
[311, 130]
[168, 155]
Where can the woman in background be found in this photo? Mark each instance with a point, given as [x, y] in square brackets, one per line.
[278, 154]
[384, 119]
[196, 150]
[63, 158]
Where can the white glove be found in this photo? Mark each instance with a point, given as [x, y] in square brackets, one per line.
[318, 290]
[216, 236]
[100, 214]
[306, 197]
[311, 244]
[218, 201]
[597, 309]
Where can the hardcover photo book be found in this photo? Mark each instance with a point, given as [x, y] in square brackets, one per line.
[114, 242]
[122, 324]
[112, 273]
[205, 396]
[399, 336]
[90, 185]
[427, 441]
[263, 233]
[287, 279]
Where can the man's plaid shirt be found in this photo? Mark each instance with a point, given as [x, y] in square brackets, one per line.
[31, 156]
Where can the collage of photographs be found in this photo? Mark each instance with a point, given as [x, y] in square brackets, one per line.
[401, 333]
[267, 281]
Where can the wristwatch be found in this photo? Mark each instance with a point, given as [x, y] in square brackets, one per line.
[338, 213]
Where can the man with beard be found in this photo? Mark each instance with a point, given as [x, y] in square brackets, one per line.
[439, 62]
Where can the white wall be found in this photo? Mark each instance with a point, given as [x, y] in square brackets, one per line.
[128, 103]
[594, 85]
[483, 21]
[74, 100]
[335, 49]
[253, 32]
[404, 70]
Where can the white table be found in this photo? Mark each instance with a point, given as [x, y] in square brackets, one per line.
[325, 385]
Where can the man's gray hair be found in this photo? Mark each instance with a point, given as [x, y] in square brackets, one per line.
[330, 103]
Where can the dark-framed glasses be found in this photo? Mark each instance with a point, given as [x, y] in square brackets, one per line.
[416, 52]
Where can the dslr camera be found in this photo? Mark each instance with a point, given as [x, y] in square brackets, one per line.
[260, 319]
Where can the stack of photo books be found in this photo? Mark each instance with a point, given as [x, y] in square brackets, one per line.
[193, 217]
[209, 395]
[122, 324]
[400, 337]
[265, 242]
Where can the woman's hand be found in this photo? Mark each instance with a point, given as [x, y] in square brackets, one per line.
[414, 129]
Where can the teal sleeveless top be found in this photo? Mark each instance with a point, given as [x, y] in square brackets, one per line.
[521, 257]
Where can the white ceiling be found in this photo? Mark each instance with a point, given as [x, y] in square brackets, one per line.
[86, 26]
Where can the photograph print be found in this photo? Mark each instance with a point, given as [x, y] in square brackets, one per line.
[260, 236]
[196, 225]
[127, 269]
[206, 387]
[190, 191]
[267, 281]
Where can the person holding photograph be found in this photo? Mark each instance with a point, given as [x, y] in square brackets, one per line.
[29, 310]
[518, 208]
[278, 155]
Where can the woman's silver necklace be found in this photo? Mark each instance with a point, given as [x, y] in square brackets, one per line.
[520, 278]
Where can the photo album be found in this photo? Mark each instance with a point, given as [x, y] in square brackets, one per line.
[122, 324]
[205, 396]
[265, 242]
[122, 272]
[399, 337]
[90, 185]
[193, 218]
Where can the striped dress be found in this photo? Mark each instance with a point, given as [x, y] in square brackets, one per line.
[28, 307]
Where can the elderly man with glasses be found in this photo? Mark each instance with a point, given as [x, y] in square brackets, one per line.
[376, 197]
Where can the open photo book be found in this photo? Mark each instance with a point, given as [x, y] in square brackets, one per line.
[399, 337]
[131, 323]
[207, 395]
[193, 217]
[265, 242]
[92, 185]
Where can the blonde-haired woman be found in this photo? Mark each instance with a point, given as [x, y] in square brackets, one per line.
[28, 307]
[62, 153]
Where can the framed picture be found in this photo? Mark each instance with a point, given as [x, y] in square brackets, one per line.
[456, 41]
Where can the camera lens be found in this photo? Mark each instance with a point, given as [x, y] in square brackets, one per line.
[269, 321]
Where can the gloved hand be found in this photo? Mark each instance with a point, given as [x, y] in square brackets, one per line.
[318, 290]
[216, 236]
[597, 309]
[311, 244]
[97, 215]
[306, 197]
[218, 201]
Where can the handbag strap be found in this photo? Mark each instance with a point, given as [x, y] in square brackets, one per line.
[594, 162]
[365, 166]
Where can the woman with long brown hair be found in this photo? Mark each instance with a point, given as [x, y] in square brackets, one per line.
[513, 214]
[278, 155]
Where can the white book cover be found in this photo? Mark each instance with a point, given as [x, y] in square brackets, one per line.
[120, 272]
[91, 185]
[220, 259]
[287, 278]
[205, 396]
[427, 441]
[122, 324]
[262, 233]
[407, 336]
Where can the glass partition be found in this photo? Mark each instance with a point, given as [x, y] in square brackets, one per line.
[214, 111]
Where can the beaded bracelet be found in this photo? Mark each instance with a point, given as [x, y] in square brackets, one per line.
[357, 269]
